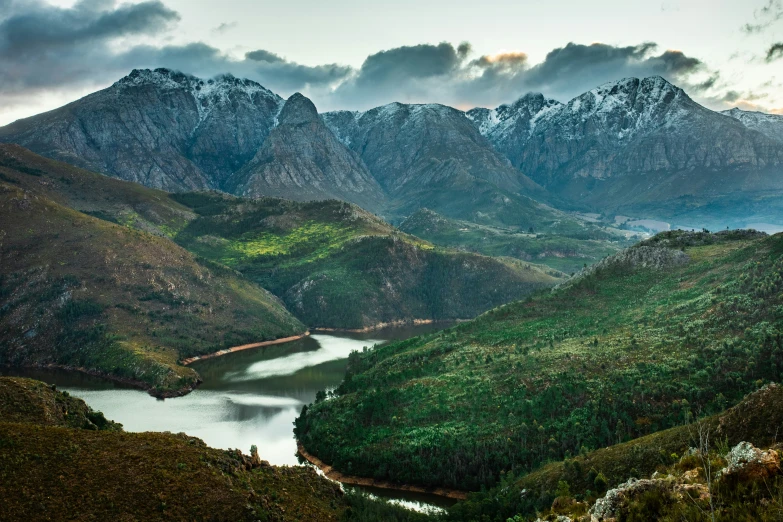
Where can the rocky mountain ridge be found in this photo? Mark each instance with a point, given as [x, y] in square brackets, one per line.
[302, 160]
[636, 146]
[638, 141]
[770, 125]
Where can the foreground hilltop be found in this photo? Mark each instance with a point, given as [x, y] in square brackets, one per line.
[70, 468]
[728, 464]
[680, 325]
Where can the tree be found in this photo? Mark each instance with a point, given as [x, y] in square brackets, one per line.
[619, 431]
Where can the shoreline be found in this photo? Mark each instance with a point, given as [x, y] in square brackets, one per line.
[141, 385]
[151, 390]
[390, 324]
[189, 360]
[351, 480]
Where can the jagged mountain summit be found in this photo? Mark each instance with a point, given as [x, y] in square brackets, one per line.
[302, 160]
[161, 128]
[639, 142]
[507, 125]
[770, 125]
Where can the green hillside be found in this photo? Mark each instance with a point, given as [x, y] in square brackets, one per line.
[336, 265]
[81, 292]
[103, 197]
[568, 253]
[683, 324]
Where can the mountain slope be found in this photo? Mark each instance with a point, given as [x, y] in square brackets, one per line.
[336, 265]
[94, 194]
[755, 420]
[680, 324]
[630, 144]
[333, 264]
[160, 128]
[83, 292]
[302, 160]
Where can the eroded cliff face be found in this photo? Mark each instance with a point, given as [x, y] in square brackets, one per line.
[160, 128]
[302, 160]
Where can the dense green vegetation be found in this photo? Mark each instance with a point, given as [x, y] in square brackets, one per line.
[83, 292]
[336, 265]
[567, 250]
[684, 324]
[756, 419]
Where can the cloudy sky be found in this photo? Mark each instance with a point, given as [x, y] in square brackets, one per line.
[357, 54]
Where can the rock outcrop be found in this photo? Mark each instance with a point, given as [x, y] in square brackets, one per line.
[302, 160]
[747, 462]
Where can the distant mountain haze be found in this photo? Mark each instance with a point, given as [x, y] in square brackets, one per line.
[636, 146]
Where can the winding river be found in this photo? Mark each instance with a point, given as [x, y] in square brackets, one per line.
[247, 397]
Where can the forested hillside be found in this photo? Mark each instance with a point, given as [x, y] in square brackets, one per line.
[683, 324]
[668, 465]
[338, 266]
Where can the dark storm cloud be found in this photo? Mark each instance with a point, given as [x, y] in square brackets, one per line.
[443, 73]
[413, 62]
[263, 56]
[42, 45]
[42, 28]
[277, 71]
[775, 51]
[45, 47]
[401, 74]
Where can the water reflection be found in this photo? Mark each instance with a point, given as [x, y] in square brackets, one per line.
[248, 397]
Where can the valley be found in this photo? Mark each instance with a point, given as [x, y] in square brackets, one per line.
[545, 311]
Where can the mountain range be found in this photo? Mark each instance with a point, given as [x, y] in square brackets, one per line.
[640, 147]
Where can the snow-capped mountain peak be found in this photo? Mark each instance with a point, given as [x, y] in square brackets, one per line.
[207, 93]
[770, 125]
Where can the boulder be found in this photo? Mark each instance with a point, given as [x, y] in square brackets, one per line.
[747, 462]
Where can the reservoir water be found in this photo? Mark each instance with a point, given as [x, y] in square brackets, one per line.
[247, 397]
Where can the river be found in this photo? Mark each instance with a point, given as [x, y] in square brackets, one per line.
[247, 397]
